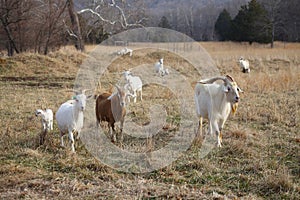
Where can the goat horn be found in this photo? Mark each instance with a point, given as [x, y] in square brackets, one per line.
[229, 78]
[118, 88]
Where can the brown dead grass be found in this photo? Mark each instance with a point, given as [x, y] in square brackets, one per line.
[259, 159]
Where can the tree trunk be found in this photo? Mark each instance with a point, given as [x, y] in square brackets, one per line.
[75, 26]
[10, 50]
[273, 35]
[11, 43]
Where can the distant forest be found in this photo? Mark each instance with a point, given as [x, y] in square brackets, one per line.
[44, 25]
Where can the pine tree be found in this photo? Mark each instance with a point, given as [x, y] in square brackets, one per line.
[250, 24]
[164, 23]
[223, 25]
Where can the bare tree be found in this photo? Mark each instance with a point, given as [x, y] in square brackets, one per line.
[12, 12]
[276, 23]
[75, 32]
[105, 14]
[189, 19]
[115, 12]
[55, 11]
[32, 24]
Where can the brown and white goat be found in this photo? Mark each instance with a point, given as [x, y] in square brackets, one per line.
[111, 108]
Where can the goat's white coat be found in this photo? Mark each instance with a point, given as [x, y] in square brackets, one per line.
[215, 102]
[128, 91]
[70, 116]
[159, 67]
[125, 51]
[47, 118]
[133, 85]
[244, 64]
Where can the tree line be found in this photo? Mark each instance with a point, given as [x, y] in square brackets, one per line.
[261, 21]
[44, 25]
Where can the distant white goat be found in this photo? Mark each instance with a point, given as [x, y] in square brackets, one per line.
[215, 101]
[47, 118]
[133, 85]
[125, 51]
[244, 65]
[159, 67]
[70, 116]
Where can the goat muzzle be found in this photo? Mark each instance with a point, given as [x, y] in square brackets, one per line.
[237, 99]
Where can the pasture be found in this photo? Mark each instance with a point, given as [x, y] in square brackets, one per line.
[260, 155]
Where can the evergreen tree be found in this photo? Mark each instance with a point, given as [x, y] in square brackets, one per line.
[250, 24]
[223, 25]
[164, 23]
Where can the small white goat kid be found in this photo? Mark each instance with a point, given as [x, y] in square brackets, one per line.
[70, 116]
[244, 64]
[215, 102]
[47, 118]
[133, 85]
[125, 51]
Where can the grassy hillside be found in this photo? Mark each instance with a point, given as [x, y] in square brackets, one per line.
[259, 159]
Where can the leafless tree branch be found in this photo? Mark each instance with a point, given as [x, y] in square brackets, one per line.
[123, 21]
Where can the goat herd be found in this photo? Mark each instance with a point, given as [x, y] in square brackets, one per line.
[213, 101]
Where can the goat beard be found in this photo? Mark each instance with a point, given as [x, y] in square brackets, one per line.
[234, 108]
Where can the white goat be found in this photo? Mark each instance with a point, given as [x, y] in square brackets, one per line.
[133, 85]
[215, 101]
[159, 67]
[125, 51]
[69, 117]
[244, 65]
[128, 92]
[47, 118]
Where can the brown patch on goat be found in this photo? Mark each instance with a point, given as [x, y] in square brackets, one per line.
[104, 111]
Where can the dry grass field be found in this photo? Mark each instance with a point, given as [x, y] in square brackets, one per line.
[259, 159]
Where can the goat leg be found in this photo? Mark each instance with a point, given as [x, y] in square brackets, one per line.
[72, 141]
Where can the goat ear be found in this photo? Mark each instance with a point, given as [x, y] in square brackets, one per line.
[226, 88]
[89, 96]
[240, 90]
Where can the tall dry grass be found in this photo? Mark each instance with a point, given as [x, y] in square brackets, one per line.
[259, 159]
